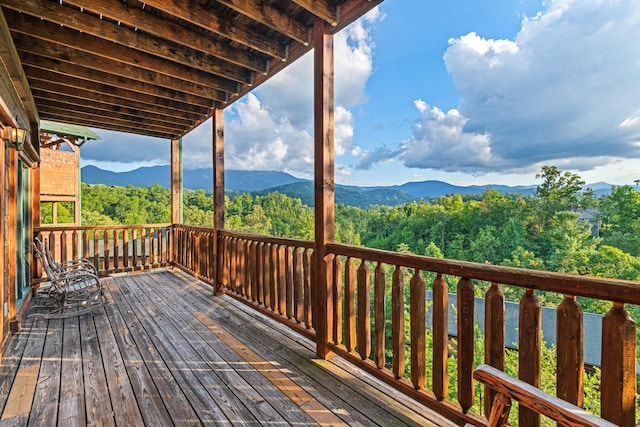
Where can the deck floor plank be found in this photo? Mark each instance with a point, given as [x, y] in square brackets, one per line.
[98, 404]
[177, 403]
[71, 410]
[165, 352]
[20, 398]
[133, 393]
[246, 392]
[45, 406]
[364, 407]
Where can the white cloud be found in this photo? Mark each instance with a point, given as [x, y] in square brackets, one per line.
[564, 91]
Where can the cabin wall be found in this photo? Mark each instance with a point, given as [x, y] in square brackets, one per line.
[12, 163]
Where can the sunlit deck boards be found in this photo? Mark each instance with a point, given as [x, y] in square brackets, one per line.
[166, 352]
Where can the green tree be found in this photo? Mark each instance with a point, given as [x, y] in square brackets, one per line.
[559, 191]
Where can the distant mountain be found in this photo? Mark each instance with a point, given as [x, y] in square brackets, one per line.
[263, 182]
[362, 197]
[235, 180]
[430, 189]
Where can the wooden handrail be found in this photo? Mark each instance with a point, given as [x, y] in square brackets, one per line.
[537, 400]
[623, 291]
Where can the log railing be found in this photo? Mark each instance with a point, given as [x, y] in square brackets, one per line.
[193, 251]
[367, 283]
[271, 274]
[112, 249]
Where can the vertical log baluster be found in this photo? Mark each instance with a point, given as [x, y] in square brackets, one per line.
[273, 276]
[282, 280]
[74, 244]
[143, 249]
[397, 322]
[529, 344]
[134, 239]
[63, 246]
[106, 245]
[233, 267]
[248, 270]
[306, 266]
[379, 289]
[96, 250]
[242, 268]
[350, 338]
[466, 341]
[251, 271]
[297, 285]
[266, 270]
[289, 281]
[125, 249]
[337, 301]
[116, 251]
[161, 252]
[440, 323]
[618, 383]
[85, 244]
[152, 247]
[52, 244]
[417, 329]
[494, 330]
[364, 313]
[570, 353]
[259, 274]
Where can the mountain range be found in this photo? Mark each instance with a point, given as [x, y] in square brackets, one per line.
[263, 182]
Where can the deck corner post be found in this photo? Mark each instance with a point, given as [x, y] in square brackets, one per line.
[323, 181]
[176, 181]
[218, 194]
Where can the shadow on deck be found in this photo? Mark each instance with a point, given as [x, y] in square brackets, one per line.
[167, 352]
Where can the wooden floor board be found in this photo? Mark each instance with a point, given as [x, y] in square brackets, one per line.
[165, 352]
[252, 394]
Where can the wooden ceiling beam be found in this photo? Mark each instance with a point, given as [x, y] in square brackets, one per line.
[54, 33]
[29, 45]
[81, 96]
[320, 8]
[191, 12]
[259, 12]
[98, 115]
[120, 118]
[101, 124]
[168, 30]
[133, 86]
[154, 116]
[89, 24]
[48, 80]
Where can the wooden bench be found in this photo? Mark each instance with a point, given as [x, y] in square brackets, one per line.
[508, 389]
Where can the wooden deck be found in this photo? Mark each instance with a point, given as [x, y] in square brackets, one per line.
[167, 352]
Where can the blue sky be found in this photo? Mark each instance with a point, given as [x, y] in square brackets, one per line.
[464, 91]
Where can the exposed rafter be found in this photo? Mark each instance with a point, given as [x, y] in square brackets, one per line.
[156, 67]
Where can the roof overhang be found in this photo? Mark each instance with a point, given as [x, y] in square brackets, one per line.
[159, 67]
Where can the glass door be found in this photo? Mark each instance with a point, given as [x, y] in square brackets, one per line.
[23, 240]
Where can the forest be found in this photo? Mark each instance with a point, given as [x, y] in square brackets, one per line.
[546, 231]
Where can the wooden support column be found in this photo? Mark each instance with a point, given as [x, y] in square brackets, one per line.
[34, 205]
[4, 325]
[324, 182]
[218, 191]
[176, 181]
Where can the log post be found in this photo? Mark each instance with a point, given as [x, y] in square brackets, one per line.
[176, 181]
[323, 180]
[494, 309]
[218, 189]
[529, 344]
[618, 384]
[570, 344]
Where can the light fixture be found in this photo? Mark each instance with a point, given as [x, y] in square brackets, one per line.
[15, 137]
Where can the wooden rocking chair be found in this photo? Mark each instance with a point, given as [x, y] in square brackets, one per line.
[72, 288]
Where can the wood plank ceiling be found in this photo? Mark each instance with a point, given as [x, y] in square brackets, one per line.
[159, 67]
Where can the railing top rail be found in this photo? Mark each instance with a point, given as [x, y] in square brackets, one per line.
[193, 227]
[593, 287]
[68, 227]
[269, 239]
